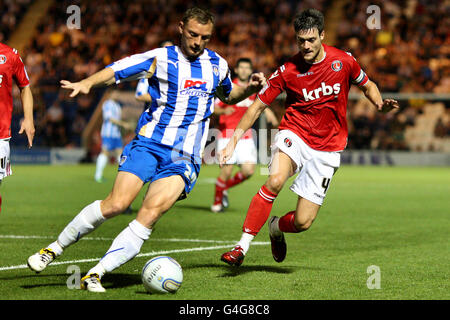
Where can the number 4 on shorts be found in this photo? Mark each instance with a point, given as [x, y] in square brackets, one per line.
[325, 184]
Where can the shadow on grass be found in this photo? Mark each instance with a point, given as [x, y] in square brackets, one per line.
[243, 269]
[194, 207]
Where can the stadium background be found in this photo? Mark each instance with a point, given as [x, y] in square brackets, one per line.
[408, 58]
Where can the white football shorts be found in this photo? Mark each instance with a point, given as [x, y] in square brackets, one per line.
[315, 168]
[245, 151]
[5, 165]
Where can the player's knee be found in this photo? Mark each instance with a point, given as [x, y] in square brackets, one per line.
[248, 172]
[303, 223]
[275, 183]
[112, 207]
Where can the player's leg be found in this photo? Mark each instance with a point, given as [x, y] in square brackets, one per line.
[220, 187]
[0, 197]
[5, 166]
[311, 186]
[246, 171]
[292, 222]
[126, 188]
[161, 196]
[282, 167]
[102, 161]
[246, 157]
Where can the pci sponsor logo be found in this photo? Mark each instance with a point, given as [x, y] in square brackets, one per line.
[326, 90]
[195, 87]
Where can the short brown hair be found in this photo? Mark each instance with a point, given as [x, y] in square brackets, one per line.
[203, 16]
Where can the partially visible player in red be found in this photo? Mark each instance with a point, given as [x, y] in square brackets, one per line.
[311, 136]
[12, 70]
[245, 154]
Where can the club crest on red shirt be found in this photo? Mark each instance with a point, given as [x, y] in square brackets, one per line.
[336, 65]
[287, 142]
[2, 59]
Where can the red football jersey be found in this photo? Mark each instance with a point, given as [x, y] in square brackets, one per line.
[11, 68]
[317, 95]
[227, 123]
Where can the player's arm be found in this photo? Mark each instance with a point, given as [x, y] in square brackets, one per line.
[372, 93]
[102, 77]
[250, 116]
[122, 124]
[238, 93]
[27, 124]
[131, 68]
[23, 82]
[222, 109]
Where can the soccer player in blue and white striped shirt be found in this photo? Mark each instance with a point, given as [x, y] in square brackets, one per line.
[170, 137]
[111, 136]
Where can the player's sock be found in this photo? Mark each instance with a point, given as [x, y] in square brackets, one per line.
[238, 178]
[220, 187]
[259, 211]
[245, 241]
[286, 223]
[56, 248]
[86, 221]
[102, 160]
[125, 246]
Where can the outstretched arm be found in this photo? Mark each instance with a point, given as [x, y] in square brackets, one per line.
[257, 81]
[27, 124]
[102, 77]
[372, 93]
[253, 112]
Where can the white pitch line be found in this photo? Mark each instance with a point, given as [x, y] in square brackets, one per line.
[7, 236]
[148, 254]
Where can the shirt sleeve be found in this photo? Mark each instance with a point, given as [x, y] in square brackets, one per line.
[274, 86]
[357, 75]
[137, 66]
[225, 78]
[20, 73]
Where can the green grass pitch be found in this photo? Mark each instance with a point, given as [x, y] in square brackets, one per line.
[394, 218]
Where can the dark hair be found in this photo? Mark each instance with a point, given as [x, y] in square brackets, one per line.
[309, 19]
[245, 60]
[203, 16]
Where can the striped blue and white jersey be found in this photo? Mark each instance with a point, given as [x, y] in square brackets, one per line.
[182, 94]
[111, 110]
[142, 87]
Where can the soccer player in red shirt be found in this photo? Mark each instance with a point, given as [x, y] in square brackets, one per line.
[311, 136]
[245, 154]
[13, 69]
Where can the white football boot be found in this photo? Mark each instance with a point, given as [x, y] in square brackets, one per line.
[40, 260]
[216, 208]
[91, 283]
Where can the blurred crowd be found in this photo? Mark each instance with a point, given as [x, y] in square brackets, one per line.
[12, 12]
[410, 53]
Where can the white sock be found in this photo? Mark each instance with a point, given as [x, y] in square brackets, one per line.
[102, 160]
[85, 222]
[56, 248]
[245, 241]
[125, 246]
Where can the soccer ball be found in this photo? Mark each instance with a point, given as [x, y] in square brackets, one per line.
[162, 274]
